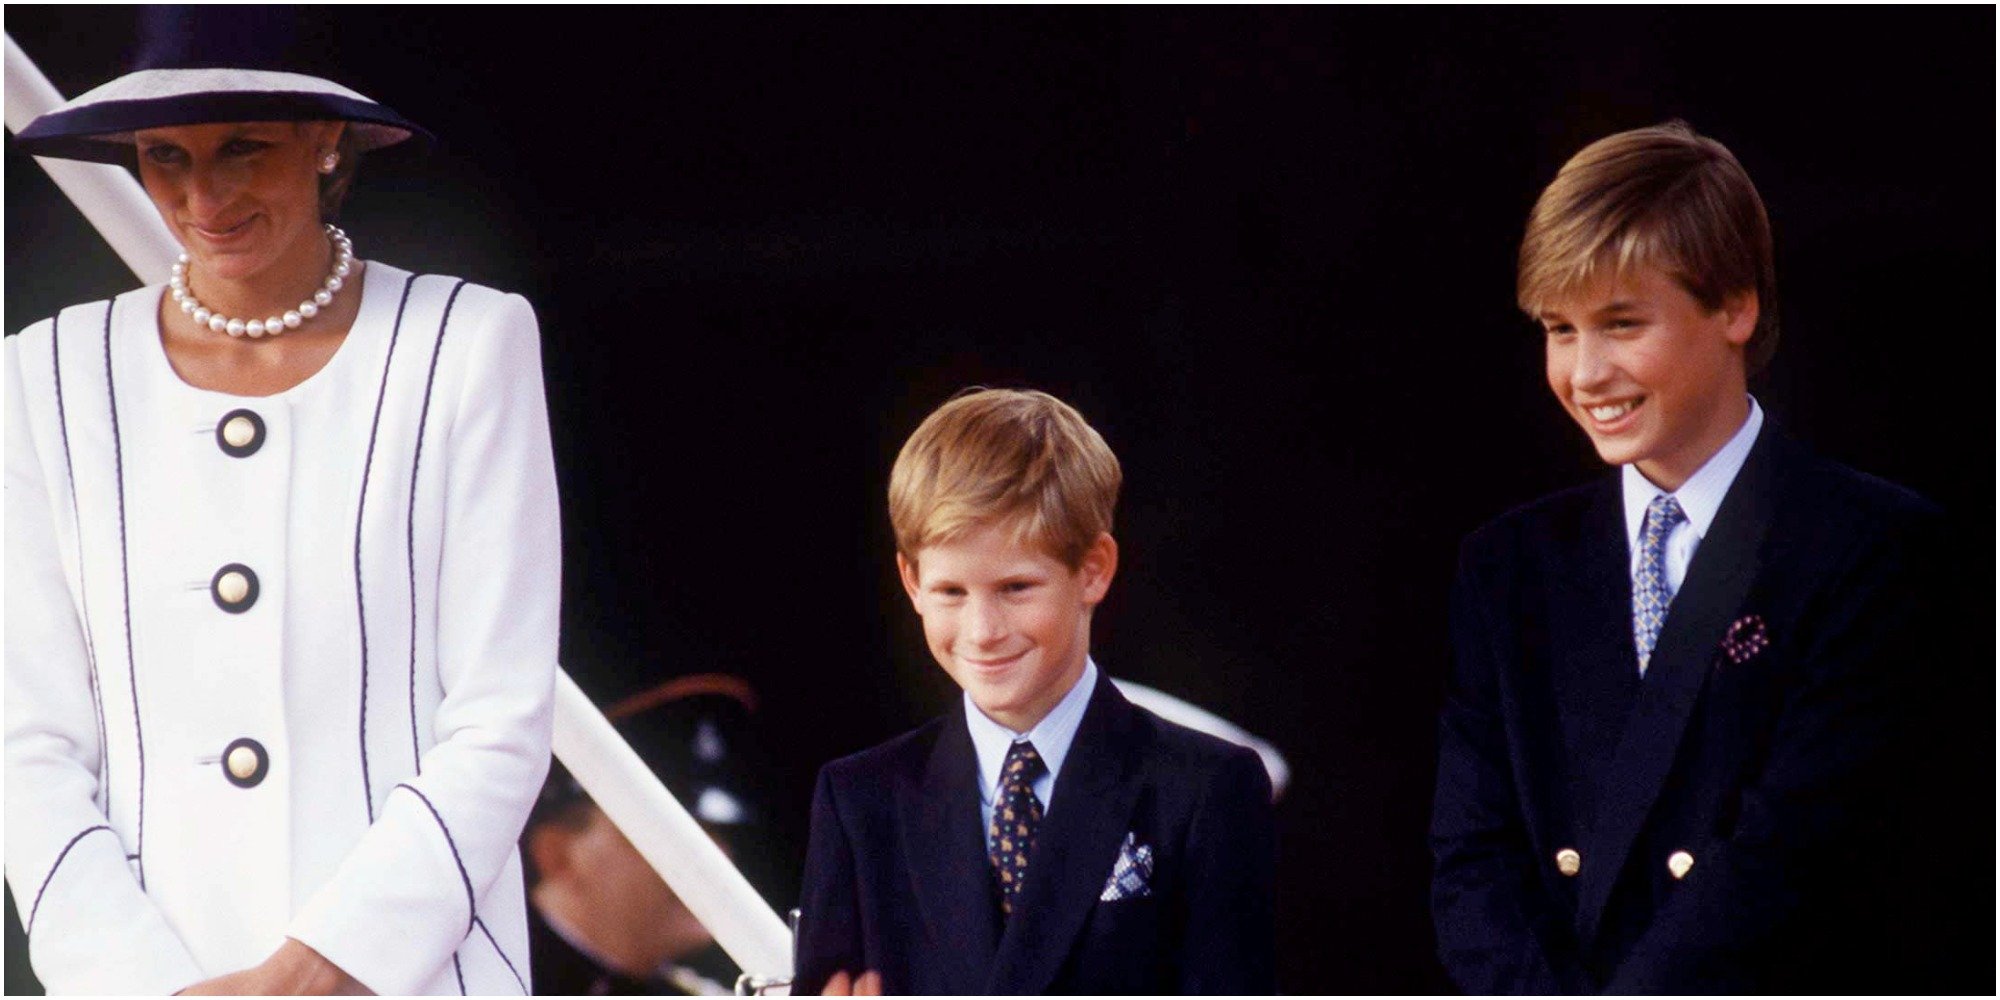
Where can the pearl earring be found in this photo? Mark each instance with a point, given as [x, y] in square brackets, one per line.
[328, 162]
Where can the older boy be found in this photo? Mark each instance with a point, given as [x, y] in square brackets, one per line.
[1046, 836]
[1673, 749]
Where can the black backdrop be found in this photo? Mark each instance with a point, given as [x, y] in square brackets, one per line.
[1269, 253]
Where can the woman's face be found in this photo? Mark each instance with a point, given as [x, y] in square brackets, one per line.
[241, 197]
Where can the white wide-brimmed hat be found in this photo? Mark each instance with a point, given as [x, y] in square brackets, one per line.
[202, 65]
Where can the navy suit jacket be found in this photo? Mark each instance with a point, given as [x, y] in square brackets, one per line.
[897, 878]
[1787, 770]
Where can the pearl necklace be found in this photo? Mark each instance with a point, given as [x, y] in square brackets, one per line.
[343, 264]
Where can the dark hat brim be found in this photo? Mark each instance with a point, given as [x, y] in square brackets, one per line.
[101, 130]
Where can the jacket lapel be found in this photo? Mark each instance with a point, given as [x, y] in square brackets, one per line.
[1717, 581]
[1088, 817]
[947, 849]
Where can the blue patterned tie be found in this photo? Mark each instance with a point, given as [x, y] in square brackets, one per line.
[1650, 592]
[1016, 817]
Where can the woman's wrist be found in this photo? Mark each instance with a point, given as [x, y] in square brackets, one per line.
[295, 969]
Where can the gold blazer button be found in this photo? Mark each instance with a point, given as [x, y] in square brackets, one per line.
[1679, 864]
[1569, 862]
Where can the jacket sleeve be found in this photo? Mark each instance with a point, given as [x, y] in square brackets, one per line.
[1231, 932]
[1842, 775]
[1497, 930]
[829, 938]
[407, 895]
[91, 928]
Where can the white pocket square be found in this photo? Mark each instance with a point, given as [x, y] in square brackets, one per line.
[1132, 875]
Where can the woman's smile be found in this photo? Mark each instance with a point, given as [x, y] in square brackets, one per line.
[221, 236]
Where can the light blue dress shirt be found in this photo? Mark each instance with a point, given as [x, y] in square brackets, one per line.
[1052, 738]
[1700, 498]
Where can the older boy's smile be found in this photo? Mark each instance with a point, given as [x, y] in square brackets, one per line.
[1009, 622]
[1605, 413]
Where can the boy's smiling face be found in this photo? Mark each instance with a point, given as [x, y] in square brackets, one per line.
[1009, 622]
[1653, 377]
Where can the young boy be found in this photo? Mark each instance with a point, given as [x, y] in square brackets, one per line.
[1046, 836]
[1675, 749]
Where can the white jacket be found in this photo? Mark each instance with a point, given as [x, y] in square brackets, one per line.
[347, 593]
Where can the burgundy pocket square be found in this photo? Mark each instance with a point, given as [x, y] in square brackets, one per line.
[1746, 638]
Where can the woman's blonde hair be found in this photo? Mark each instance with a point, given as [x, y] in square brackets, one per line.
[1004, 456]
[1662, 196]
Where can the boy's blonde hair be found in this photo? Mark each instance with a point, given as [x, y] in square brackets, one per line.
[1010, 456]
[1664, 197]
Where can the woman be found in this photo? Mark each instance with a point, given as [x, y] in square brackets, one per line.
[282, 575]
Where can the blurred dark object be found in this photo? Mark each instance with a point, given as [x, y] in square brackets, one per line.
[600, 920]
[21, 979]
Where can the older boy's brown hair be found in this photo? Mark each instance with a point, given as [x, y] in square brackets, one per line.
[1665, 197]
[1004, 456]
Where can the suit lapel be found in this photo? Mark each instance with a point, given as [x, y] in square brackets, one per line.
[947, 850]
[1088, 817]
[1717, 580]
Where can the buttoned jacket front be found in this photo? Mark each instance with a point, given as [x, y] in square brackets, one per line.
[279, 666]
[898, 878]
[1724, 823]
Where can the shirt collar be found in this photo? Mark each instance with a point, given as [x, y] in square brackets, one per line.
[1701, 496]
[1051, 736]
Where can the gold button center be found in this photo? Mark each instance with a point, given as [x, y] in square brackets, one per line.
[1568, 861]
[1679, 864]
[233, 587]
[242, 763]
[239, 432]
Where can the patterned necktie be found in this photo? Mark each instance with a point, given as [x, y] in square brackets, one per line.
[1650, 591]
[1016, 816]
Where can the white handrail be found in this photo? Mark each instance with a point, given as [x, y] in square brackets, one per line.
[603, 763]
[108, 196]
[669, 839]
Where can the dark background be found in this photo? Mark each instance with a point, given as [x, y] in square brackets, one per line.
[1268, 253]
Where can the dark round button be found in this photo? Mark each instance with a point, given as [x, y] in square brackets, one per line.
[245, 763]
[239, 433]
[234, 588]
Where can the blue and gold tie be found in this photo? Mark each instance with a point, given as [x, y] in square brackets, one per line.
[1650, 591]
[1016, 816]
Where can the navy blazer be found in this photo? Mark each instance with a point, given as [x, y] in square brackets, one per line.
[897, 878]
[1771, 742]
